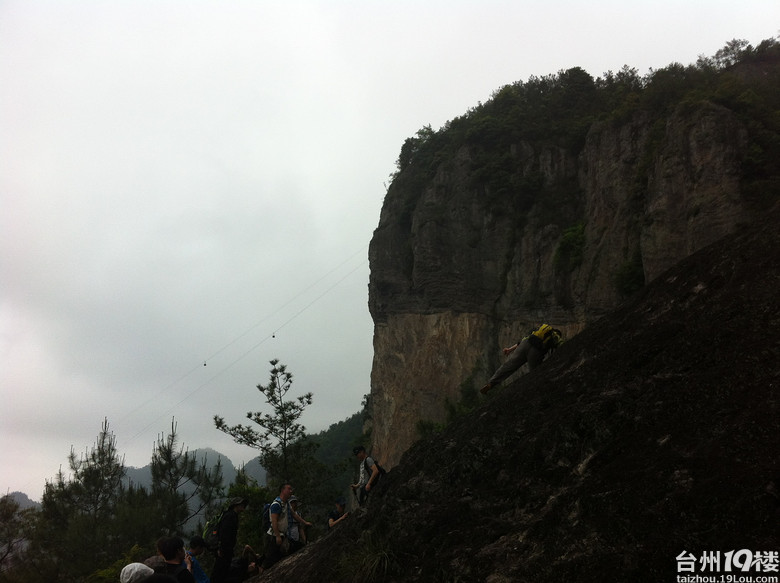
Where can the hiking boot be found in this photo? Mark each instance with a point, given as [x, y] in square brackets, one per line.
[486, 388]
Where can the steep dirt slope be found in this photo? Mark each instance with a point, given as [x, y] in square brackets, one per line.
[655, 431]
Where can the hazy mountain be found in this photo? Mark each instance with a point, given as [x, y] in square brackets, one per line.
[23, 500]
[143, 476]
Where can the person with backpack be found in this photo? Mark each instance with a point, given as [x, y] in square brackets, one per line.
[227, 532]
[369, 474]
[531, 349]
[277, 542]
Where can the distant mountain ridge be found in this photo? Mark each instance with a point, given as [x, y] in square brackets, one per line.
[334, 444]
[24, 501]
[143, 476]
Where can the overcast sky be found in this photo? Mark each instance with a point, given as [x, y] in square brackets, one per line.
[190, 183]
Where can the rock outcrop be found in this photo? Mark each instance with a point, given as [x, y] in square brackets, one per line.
[456, 274]
[649, 234]
[649, 436]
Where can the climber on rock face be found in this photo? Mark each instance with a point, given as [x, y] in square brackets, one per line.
[531, 349]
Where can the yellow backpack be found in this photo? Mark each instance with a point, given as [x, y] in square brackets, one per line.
[548, 337]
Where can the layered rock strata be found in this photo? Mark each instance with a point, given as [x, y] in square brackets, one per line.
[458, 271]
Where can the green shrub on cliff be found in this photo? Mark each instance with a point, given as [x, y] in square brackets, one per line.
[558, 111]
[568, 255]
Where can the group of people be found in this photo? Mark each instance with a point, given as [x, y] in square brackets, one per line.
[173, 563]
[287, 529]
[286, 532]
[369, 473]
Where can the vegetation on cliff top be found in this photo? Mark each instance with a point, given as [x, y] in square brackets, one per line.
[560, 109]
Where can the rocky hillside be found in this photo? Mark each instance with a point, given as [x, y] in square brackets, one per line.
[553, 202]
[654, 431]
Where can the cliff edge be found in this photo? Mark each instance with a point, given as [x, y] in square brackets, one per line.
[519, 213]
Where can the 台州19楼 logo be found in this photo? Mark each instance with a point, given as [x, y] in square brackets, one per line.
[741, 561]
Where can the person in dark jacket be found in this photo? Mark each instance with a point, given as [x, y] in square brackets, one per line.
[339, 514]
[177, 563]
[228, 533]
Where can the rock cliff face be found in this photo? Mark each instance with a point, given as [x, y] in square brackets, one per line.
[458, 271]
[652, 434]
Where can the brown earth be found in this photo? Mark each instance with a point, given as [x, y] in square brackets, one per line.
[654, 431]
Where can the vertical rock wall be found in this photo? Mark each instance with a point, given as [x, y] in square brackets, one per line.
[458, 271]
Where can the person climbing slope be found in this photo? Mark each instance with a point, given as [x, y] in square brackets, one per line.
[531, 349]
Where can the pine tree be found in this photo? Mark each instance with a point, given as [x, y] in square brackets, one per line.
[77, 526]
[180, 486]
[284, 452]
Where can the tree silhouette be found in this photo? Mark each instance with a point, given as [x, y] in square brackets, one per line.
[79, 512]
[280, 439]
[181, 486]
